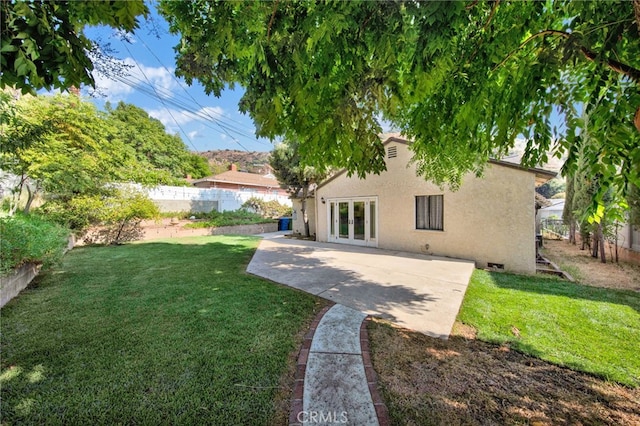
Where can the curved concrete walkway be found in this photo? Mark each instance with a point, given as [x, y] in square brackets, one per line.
[335, 382]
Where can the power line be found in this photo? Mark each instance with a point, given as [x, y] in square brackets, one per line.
[160, 98]
[153, 94]
[176, 79]
[179, 102]
[187, 108]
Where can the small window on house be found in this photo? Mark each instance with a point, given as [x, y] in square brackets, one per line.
[429, 212]
[392, 151]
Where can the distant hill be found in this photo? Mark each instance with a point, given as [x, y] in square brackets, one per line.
[515, 154]
[252, 162]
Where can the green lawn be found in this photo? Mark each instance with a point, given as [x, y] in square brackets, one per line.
[162, 332]
[585, 328]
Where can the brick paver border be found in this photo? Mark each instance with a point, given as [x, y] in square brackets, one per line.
[301, 368]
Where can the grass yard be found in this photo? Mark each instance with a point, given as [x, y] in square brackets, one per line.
[161, 332]
[585, 328]
[527, 350]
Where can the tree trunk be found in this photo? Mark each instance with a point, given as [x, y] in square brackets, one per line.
[596, 243]
[572, 232]
[30, 196]
[586, 239]
[616, 242]
[120, 228]
[603, 258]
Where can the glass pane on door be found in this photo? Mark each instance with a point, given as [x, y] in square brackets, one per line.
[372, 219]
[343, 219]
[332, 219]
[358, 220]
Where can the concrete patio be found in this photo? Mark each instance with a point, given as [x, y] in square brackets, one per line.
[419, 292]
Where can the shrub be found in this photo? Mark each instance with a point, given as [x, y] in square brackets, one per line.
[120, 217]
[272, 209]
[229, 218]
[110, 218]
[30, 238]
[78, 213]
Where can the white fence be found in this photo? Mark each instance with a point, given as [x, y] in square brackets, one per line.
[179, 198]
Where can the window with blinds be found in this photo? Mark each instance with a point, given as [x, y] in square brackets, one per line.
[430, 212]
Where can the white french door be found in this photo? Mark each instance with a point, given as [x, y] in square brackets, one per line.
[353, 220]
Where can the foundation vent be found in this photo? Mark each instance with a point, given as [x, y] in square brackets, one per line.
[496, 266]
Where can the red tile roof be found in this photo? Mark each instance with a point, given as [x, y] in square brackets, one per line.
[241, 178]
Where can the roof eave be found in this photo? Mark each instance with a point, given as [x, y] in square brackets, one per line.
[542, 175]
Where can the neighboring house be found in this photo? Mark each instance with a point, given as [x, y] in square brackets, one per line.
[490, 220]
[242, 182]
[629, 242]
[553, 210]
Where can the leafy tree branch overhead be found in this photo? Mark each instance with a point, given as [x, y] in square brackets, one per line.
[462, 79]
[43, 44]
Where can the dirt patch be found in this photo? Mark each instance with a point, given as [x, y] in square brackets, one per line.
[464, 381]
[590, 271]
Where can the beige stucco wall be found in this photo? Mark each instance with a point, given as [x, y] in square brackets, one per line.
[489, 219]
[298, 221]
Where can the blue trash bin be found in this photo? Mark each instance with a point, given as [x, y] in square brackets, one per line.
[284, 224]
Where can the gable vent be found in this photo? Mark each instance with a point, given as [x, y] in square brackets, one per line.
[392, 152]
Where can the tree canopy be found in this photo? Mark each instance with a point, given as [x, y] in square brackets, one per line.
[43, 44]
[292, 174]
[66, 148]
[66, 144]
[463, 80]
[152, 144]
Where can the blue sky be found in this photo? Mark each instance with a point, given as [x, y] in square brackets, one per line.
[203, 122]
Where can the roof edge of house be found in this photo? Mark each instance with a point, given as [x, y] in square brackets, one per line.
[541, 174]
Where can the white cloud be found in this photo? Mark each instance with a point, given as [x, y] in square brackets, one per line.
[138, 75]
[215, 112]
[111, 90]
[194, 134]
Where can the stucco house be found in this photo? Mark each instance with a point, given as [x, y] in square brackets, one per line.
[490, 220]
[235, 180]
